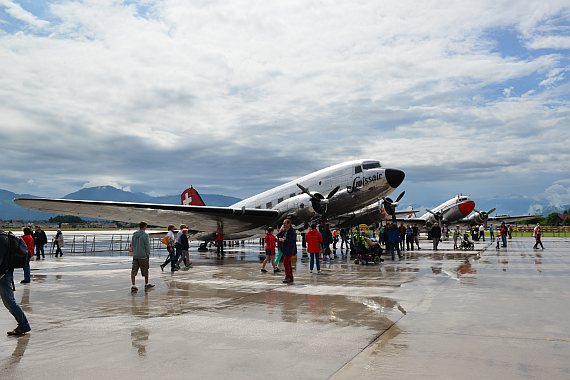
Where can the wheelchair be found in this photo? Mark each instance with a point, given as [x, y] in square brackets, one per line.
[365, 251]
[466, 244]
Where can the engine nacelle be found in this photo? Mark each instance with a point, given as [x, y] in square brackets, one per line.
[477, 218]
[298, 208]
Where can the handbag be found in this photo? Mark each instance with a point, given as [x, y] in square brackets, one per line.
[165, 240]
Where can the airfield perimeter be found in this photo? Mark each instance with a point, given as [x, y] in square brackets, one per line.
[449, 314]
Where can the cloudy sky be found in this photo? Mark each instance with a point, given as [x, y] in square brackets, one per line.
[235, 97]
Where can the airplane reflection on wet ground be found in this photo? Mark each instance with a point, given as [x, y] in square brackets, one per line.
[445, 314]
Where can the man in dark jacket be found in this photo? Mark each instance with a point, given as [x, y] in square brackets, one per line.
[393, 240]
[6, 291]
[289, 245]
[40, 239]
[435, 235]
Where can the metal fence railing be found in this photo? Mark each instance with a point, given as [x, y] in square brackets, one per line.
[112, 244]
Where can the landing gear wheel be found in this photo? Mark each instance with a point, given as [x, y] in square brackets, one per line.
[376, 260]
[203, 247]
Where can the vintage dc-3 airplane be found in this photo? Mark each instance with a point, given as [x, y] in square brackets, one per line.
[461, 210]
[450, 211]
[327, 193]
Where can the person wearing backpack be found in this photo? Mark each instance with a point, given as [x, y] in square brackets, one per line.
[8, 245]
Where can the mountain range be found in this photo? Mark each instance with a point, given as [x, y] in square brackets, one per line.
[11, 211]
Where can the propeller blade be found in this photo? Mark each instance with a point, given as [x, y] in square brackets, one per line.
[491, 210]
[333, 192]
[431, 212]
[304, 190]
[477, 211]
[400, 196]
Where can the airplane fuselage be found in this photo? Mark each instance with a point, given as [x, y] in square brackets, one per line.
[452, 210]
[360, 181]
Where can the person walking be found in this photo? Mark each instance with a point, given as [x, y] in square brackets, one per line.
[314, 240]
[28, 238]
[492, 232]
[40, 239]
[435, 235]
[482, 232]
[270, 242]
[220, 243]
[393, 240]
[402, 230]
[334, 239]
[344, 239]
[6, 290]
[456, 235]
[58, 242]
[289, 241]
[327, 240]
[141, 256]
[537, 233]
[504, 233]
[184, 249]
[170, 248]
[409, 238]
[416, 233]
[178, 246]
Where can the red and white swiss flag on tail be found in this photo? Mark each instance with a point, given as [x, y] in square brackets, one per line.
[191, 197]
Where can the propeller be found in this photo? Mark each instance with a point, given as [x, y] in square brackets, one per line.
[319, 201]
[438, 215]
[390, 205]
[485, 215]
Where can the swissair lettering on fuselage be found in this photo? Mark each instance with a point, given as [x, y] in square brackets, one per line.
[359, 182]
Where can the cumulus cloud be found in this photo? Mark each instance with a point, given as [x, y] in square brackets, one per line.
[558, 194]
[236, 97]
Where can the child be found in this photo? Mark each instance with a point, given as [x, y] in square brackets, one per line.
[498, 239]
[269, 250]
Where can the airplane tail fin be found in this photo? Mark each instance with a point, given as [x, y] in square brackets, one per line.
[190, 197]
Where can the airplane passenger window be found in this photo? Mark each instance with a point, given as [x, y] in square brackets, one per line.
[357, 169]
[371, 165]
[292, 195]
[257, 206]
[280, 200]
[268, 205]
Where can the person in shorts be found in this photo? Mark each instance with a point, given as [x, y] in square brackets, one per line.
[141, 256]
[270, 241]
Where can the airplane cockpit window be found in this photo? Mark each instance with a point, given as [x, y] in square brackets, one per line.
[371, 165]
[268, 205]
[357, 169]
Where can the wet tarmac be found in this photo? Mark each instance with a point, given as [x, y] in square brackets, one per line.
[482, 314]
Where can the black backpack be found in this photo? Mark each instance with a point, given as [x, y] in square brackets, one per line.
[16, 254]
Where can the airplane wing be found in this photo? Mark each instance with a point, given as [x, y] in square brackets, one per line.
[511, 219]
[198, 218]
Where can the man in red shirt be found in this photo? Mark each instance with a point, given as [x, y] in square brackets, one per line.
[314, 240]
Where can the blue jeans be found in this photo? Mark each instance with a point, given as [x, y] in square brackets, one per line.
[27, 270]
[504, 239]
[315, 256]
[40, 250]
[7, 295]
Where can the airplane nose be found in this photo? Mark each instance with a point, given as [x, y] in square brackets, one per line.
[466, 207]
[394, 177]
